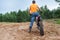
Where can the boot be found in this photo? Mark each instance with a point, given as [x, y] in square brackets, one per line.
[29, 30]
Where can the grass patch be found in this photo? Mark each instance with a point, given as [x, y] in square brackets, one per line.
[57, 21]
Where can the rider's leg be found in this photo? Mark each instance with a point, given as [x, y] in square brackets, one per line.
[31, 23]
[32, 20]
[37, 21]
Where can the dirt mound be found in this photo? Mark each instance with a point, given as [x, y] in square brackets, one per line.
[19, 31]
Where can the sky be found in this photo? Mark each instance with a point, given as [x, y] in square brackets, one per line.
[15, 5]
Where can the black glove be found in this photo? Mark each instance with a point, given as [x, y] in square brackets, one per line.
[30, 14]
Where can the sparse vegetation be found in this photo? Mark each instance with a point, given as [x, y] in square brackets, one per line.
[57, 21]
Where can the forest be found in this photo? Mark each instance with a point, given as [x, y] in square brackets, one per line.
[23, 16]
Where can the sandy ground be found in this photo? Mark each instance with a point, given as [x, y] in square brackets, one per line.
[19, 31]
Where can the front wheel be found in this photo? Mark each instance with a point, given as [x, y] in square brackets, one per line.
[41, 28]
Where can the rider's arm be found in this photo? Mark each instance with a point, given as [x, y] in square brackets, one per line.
[30, 11]
[39, 9]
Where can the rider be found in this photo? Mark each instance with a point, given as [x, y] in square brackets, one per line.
[34, 13]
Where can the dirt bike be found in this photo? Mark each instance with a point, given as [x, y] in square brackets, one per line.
[40, 25]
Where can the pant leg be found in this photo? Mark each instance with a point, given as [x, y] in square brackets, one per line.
[33, 17]
[37, 14]
[32, 20]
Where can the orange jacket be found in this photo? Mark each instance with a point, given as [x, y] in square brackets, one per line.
[33, 8]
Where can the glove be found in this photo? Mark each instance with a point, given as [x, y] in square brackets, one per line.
[30, 14]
